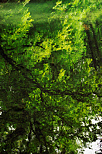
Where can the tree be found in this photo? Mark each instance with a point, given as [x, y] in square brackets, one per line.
[49, 87]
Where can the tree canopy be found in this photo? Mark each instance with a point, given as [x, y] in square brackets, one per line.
[50, 87]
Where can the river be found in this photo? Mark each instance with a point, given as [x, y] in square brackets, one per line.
[94, 147]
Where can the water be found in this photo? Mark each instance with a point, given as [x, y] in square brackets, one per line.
[94, 147]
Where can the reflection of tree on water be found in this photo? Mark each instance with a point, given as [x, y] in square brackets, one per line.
[100, 146]
[95, 144]
[99, 132]
[101, 143]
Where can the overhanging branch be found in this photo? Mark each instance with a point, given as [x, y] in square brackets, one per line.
[75, 95]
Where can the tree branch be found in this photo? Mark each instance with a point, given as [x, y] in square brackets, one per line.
[18, 67]
[91, 49]
[96, 44]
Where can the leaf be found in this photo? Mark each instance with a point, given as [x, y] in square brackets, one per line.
[61, 74]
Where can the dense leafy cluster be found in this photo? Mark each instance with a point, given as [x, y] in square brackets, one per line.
[50, 88]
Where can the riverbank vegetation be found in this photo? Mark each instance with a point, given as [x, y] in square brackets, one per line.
[50, 75]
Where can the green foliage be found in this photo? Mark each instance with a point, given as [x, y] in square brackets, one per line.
[51, 86]
[42, 1]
